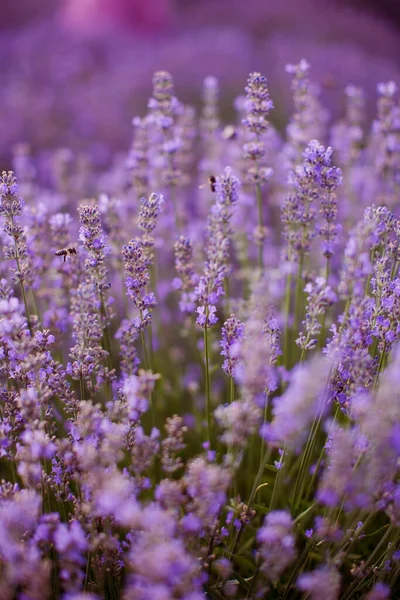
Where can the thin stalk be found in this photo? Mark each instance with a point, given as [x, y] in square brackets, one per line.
[231, 390]
[249, 594]
[306, 454]
[149, 358]
[381, 361]
[144, 345]
[35, 306]
[151, 350]
[327, 270]
[395, 576]
[314, 475]
[153, 283]
[356, 583]
[299, 289]
[17, 257]
[208, 394]
[28, 318]
[253, 492]
[322, 332]
[305, 555]
[393, 271]
[106, 340]
[261, 225]
[356, 535]
[82, 387]
[263, 464]
[287, 318]
[86, 582]
[345, 316]
[226, 290]
[13, 470]
[303, 350]
[103, 314]
[278, 478]
[267, 417]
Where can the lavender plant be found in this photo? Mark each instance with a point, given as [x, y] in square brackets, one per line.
[182, 418]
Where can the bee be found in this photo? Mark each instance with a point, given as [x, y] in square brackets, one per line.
[212, 180]
[65, 252]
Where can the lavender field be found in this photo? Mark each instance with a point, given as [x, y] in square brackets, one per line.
[199, 350]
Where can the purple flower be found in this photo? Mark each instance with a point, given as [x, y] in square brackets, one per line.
[324, 583]
[276, 544]
[319, 297]
[187, 278]
[210, 285]
[232, 334]
[304, 400]
[137, 279]
[239, 421]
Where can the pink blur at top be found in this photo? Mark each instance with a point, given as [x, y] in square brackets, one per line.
[95, 15]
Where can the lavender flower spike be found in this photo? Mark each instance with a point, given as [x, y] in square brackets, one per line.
[11, 206]
[150, 209]
[210, 286]
[187, 278]
[304, 400]
[232, 334]
[257, 106]
[137, 279]
[322, 584]
[277, 544]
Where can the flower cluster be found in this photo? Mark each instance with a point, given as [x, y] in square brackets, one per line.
[149, 212]
[187, 277]
[137, 279]
[316, 180]
[211, 283]
[239, 437]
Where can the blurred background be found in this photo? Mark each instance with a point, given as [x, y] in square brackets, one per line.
[75, 72]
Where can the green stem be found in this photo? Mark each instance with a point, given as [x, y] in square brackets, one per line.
[144, 345]
[35, 306]
[261, 225]
[208, 395]
[305, 459]
[303, 350]
[278, 477]
[151, 350]
[393, 271]
[356, 583]
[226, 290]
[28, 318]
[287, 318]
[231, 390]
[345, 316]
[356, 535]
[381, 361]
[82, 388]
[260, 471]
[322, 333]
[249, 594]
[299, 290]
[106, 335]
[17, 257]
[253, 492]
[319, 461]
[327, 271]
[301, 562]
